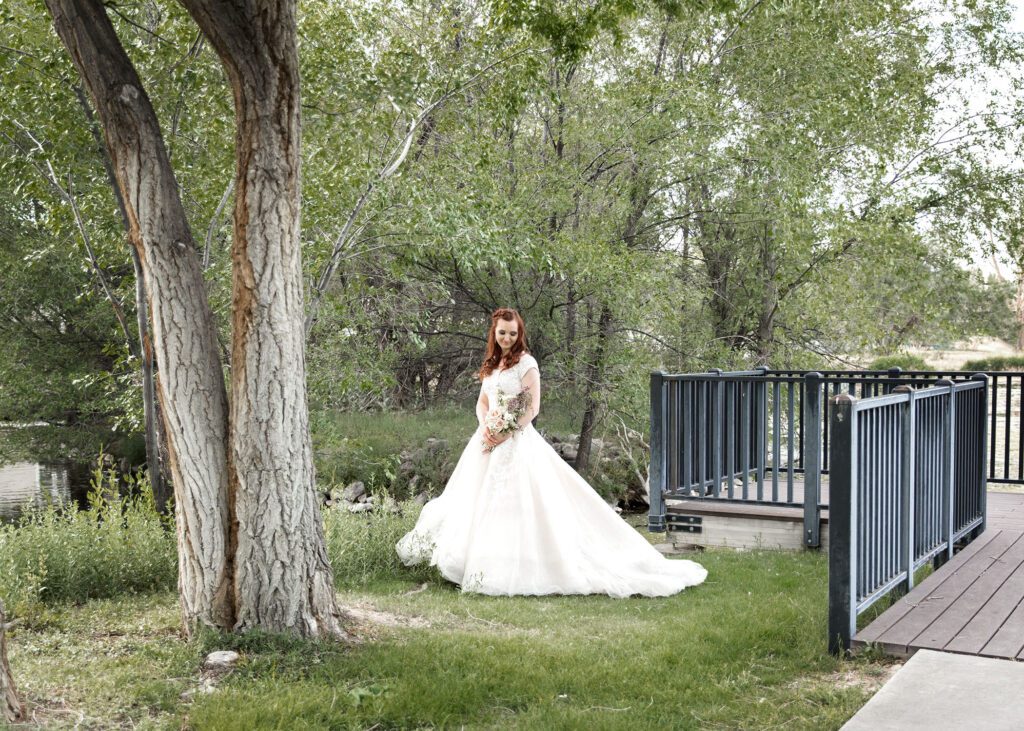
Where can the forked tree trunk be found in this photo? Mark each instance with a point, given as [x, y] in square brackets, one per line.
[283, 578]
[13, 710]
[191, 383]
[250, 541]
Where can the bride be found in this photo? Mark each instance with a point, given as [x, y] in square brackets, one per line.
[516, 519]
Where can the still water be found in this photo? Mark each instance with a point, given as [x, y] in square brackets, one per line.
[29, 484]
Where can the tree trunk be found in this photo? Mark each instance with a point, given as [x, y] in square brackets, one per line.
[144, 349]
[1019, 307]
[161, 493]
[764, 337]
[595, 369]
[13, 710]
[191, 384]
[283, 578]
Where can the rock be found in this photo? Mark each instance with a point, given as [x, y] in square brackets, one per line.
[421, 498]
[353, 492]
[360, 507]
[414, 481]
[569, 452]
[434, 445]
[406, 467]
[221, 660]
[206, 686]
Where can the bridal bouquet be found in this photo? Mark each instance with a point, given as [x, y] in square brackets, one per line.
[504, 417]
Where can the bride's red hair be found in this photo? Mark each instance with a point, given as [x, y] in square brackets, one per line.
[492, 359]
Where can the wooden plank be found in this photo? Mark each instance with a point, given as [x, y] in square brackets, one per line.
[735, 509]
[1008, 641]
[986, 623]
[901, 608]
[1006, 510]
[930, 605]
[743, 532]
[963, 610]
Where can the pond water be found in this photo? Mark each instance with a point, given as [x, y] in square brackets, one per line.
[30, 484]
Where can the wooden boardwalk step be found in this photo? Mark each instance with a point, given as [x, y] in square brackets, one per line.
[970, 605]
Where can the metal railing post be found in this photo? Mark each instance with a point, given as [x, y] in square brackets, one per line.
[761, 433]
[948, 466]
[983, 446]
[719, 424]
[656, 488]
[842, 538]
[892, 373]
[812, 461]
[907, 477]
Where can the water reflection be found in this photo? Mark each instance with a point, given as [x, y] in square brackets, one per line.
[32, 485]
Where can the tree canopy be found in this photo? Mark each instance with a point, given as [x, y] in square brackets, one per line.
[653, 184]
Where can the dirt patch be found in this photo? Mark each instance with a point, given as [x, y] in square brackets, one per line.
[366, 621]
[869, 678]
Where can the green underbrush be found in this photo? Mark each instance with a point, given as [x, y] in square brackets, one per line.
[120, 545]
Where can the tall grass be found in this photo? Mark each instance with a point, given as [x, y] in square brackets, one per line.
[64, 554]
[362, 545]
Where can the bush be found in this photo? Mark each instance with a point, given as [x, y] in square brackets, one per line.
[903, 361]
[996, 363]
[362, 545]
[65, 554]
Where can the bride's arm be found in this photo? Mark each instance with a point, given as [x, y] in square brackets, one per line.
[531, 380]
[482, 407]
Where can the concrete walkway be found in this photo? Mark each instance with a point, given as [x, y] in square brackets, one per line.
[941, 690]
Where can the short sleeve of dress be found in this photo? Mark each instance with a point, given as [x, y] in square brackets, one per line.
[526, 364]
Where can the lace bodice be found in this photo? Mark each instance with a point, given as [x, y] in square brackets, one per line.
[509, 380]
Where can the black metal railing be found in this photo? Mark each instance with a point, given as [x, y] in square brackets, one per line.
[763, 436]
[907, 482]
[1006, 421]
[743, 436]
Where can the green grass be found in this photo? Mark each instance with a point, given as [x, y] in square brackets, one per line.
[745, 650]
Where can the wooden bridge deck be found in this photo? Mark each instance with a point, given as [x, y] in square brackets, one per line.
[972, 605]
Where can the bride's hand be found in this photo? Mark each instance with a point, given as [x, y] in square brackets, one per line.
[493, 440]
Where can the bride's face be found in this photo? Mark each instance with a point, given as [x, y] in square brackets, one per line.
[506, 334]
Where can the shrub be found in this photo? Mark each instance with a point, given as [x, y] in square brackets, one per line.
[362, 545]
[65, 554]
[903, 361]
[995, 363]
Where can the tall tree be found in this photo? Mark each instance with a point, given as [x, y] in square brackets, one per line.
[251, 549]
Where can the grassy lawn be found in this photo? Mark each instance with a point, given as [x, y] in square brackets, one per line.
[745, 650]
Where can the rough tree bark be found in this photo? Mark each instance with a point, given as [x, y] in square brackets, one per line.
[251, 547]
[13, 710]
[282, 576]
[191, 385]
[144, 349]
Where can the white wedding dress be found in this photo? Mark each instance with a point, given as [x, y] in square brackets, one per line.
[519, 520]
